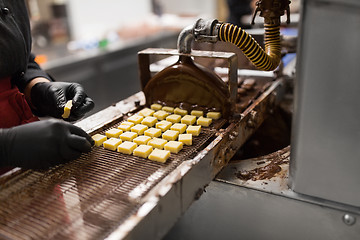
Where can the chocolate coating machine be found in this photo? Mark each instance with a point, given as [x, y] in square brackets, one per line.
[105, 194]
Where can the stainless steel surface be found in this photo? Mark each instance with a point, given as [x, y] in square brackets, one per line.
[260, 173]
[326, 130]
[270, 174]
[349, 219]
[227, 211]
[263, 207]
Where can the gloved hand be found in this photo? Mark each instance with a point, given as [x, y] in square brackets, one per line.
[49, 99]
[42, 144]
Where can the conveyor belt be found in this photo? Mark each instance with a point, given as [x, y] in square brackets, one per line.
[86, 198]
[92, 196]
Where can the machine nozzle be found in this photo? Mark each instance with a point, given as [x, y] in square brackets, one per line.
[272, 10]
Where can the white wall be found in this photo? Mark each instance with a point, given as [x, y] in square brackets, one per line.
[206, 8]
[94, 18]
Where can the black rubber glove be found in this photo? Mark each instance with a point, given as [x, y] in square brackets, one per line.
[42, 144]
[49, 99]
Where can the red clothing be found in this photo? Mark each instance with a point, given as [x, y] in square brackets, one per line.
[14, 110]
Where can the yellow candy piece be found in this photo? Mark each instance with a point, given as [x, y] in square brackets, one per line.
[161, 114]
[153, 132]
[185, 139]
[131, 124]
[142, 151]
[170, 135]
[112, 143]
[99, 139]
[204, 121]
[174, 118]
[156, 107]
[124, 127]
[163, 125]
[213, 115]
[139, 129]
[180, 127]
[67, 109]
[128, 136]
[142, 140]
[168, 109]
[149, 121]
[136, 119]
[197, 113]
[146, 112]
[188, 119]
[126, 147]
[113, 133]
[159, 155]
[157, 143]
[174, 146]
[194, 130]
[180, 111]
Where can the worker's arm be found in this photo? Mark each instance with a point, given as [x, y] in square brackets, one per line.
[33, 71]
[48, 98]
[42, 144]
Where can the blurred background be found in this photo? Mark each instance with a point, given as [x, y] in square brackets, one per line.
[96, 42]
[86, 21]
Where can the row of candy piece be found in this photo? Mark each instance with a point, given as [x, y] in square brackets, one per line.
[183, 112]
[134, 148]
[163, 112]
[132, 140]
[150, 121]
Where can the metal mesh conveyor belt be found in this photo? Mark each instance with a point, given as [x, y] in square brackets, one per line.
[86, 198]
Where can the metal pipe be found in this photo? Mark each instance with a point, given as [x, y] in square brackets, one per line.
[266, 59]
[213, 31]
[185, 39]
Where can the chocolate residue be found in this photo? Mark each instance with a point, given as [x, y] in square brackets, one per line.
[186, 83]
[265, 172]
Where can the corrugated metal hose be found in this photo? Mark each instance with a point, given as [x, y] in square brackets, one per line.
[266, 60]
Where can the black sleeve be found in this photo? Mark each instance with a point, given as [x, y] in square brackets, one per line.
[33, 71]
